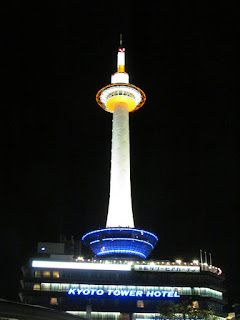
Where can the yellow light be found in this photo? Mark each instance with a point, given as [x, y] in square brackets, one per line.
[131, 91]
[121, 68]
[126, 100]
[178, 261]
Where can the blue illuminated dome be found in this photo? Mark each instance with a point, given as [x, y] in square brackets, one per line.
[120, 242]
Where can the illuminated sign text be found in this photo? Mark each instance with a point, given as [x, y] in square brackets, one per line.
[169, 268]
[124, 293]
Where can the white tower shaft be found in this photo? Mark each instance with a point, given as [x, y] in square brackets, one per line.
[120, 202]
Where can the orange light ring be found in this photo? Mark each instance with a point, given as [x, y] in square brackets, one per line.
[138, 106]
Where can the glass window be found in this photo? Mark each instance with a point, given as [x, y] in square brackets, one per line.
[36, 286]
[55, 286]
[196, 291]
[65, 286]
[37, 273]
[53, 301]
[203, 292]
[140, 304]
[46, 273]
[55, 274]
[45, 286]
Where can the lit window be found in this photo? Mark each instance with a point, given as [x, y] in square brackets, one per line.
[37, 274]
[55, 274]
[140, 304]
[36, 286]
[53, 301]
[46, 273]
[195, 304]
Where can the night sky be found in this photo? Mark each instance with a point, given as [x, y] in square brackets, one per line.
[56, 140]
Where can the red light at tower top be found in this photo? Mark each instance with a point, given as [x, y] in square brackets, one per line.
[121, 60]
[120, 98]
[120, 39]
[120, 90]
[120, 237]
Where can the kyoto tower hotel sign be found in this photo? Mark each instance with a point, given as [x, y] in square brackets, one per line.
[120, 237]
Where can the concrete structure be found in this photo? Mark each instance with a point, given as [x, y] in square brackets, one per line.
[120, 236]
[117, 283]
[108, 289]
[120, 103]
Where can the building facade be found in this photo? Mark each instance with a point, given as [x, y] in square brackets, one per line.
[118, 283]
[117, 288]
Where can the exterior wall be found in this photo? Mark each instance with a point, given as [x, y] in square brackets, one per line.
[120, 202]
[50, 247]
[51, 289]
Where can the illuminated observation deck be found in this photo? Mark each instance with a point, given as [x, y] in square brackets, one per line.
[120, 238]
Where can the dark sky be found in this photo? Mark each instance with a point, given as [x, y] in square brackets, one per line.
[56, 140]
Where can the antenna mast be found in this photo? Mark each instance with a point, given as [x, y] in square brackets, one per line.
[120, 39]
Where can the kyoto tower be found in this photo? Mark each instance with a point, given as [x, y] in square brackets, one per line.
[120, 238]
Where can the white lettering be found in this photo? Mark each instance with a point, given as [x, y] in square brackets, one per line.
[124, 293]
[86, 292]
[93, 291]
[132, 294]
[139, 293]
[100, 292]
[157, 294]
[117, 292]
[149, 293]
[167, 268]
[71, 291]
[110, 292]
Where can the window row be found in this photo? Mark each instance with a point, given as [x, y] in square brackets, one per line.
[46, 274]
[120, 93]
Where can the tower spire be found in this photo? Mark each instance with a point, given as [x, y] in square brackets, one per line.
[120, 39]
[120, 237]
[121, 59]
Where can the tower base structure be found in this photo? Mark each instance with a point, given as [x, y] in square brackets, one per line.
[120, 242]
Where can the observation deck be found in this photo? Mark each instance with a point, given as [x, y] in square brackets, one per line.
[133, 96]
[120, 238]
[121, 242]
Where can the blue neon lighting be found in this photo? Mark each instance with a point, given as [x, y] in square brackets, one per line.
[120, 241]
[95, 241]
[119, 229]
[122, 252]
[125, 239]
[124, 293]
